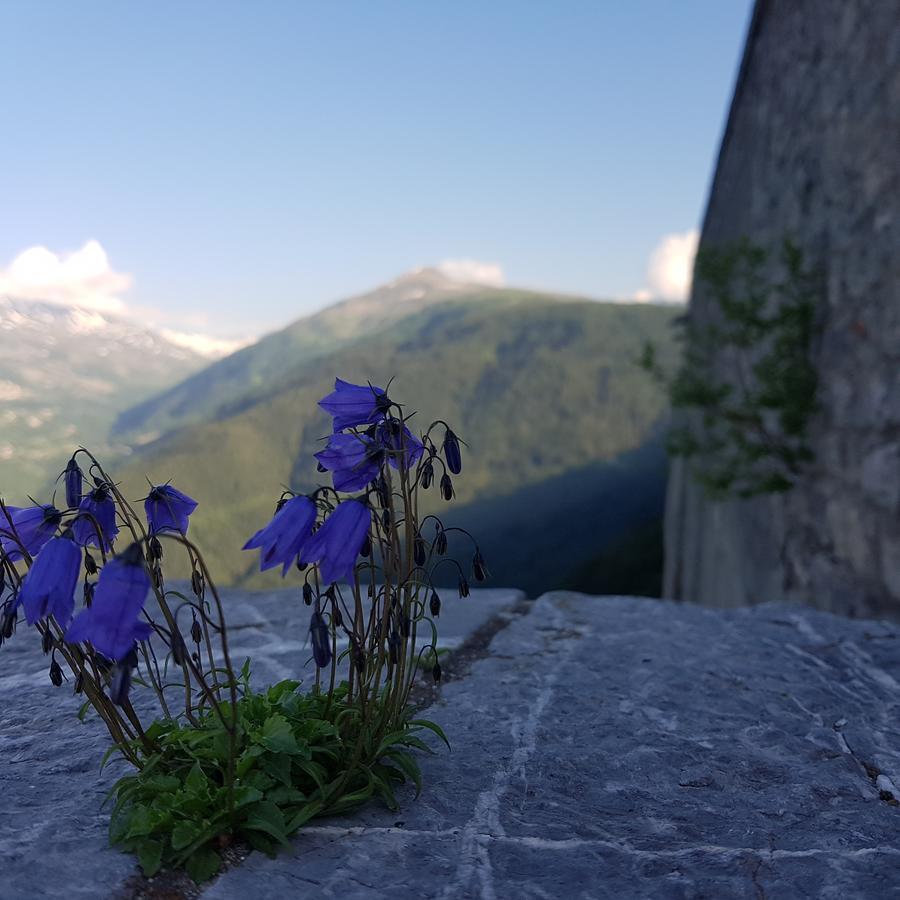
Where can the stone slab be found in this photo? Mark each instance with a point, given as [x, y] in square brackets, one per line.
[605, 747]
[632, 748]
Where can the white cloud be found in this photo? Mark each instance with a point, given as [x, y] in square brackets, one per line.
[82, 278]
[472, 271]
[670, 268]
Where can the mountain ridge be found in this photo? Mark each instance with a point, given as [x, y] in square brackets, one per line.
[65, 371]
[537, 388]
[225, 382]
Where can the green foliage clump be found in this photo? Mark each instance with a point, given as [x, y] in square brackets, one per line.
[746, 378]
[298, 756]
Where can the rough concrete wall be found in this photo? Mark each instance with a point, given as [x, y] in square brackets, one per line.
[812, 150]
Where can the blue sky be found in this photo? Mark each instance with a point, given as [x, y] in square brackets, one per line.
[245, 163]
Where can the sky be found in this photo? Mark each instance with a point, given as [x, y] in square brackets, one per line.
[226, 167]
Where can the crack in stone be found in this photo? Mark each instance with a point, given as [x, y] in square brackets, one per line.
[563, 844]
[475, 859]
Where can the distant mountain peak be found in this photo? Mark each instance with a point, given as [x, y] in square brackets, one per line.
[66, 320]
[404, 294]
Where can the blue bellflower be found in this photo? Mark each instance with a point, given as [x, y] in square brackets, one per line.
[99, 510]
[113, 624]
[336, 545]
[168, 509]
[402, 445]
[353, 460]
[280, 541]
[49, 586]
[34, 526]
[355, 404]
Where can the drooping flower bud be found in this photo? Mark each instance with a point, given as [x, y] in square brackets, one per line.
[381, 489]
[427, 476]
[318, 633]
[179, 649]
[451, 452]
[336, 616]
[394, 647]
[155, 548]
[436, 672]
[359, 658]
[307, 594]
[90, 564]
[8, 622]
[366, 550]
[463, 587]
[435, 604]
[121, 684]
[197, 583]
[440, 543]
[56, 673]
[74, 481]
[419, 550]
[196, 631]
[479, 569]
[446, 487]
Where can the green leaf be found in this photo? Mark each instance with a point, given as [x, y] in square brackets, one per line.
[431, 726]
[248, 759]
[196, 782]
[310, 811]
[259, 841]
[184, 834]
[265, 816]
[150, 857]
[388, 741]
[278, 765]
[277, 691]
[411, 740]
[285, 795]
[277, 735]
[244, 794]
[314, 770]
[409, 766]
[384, 789]
[141, 821]
[202, 864]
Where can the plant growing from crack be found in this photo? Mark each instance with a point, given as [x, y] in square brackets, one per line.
[223, 761]
[747, 384]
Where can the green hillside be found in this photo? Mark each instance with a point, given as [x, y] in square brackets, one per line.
[254, 369]
[597, 529]
[537, 385]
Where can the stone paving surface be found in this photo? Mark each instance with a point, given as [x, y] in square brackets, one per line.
[605, 747]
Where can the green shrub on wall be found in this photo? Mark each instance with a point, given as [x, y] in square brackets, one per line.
[746, 383]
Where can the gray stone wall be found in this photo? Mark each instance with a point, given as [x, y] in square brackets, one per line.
[812, 151]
